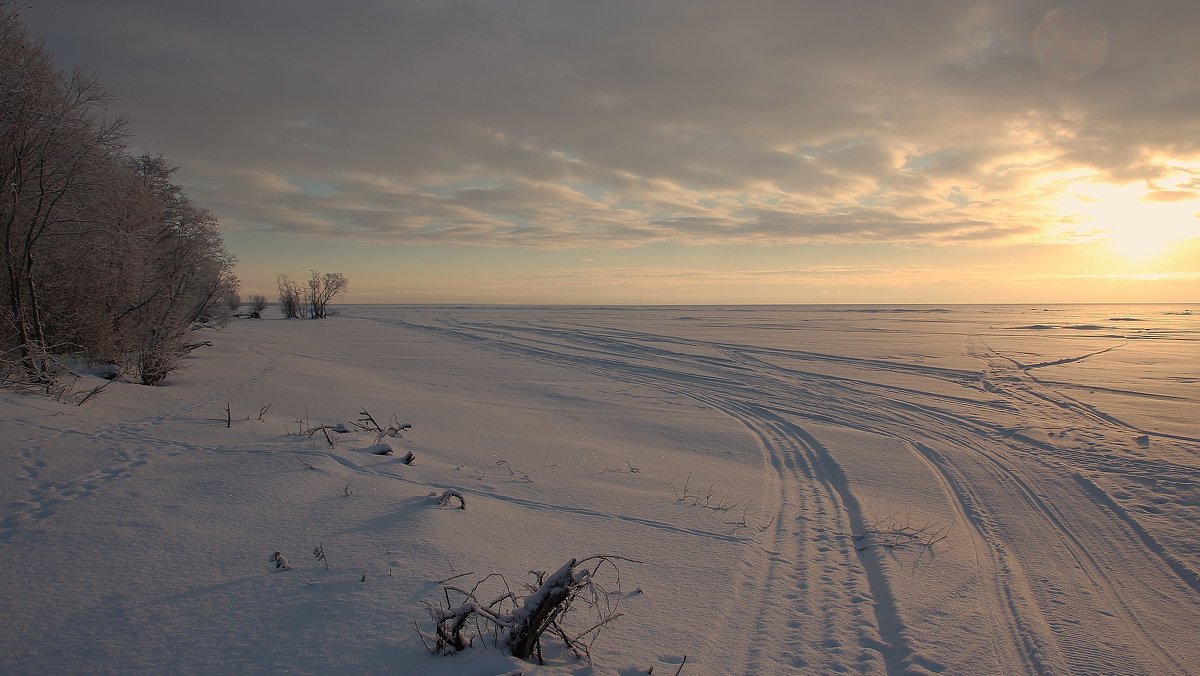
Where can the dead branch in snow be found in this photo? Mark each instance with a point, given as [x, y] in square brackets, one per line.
[228, 419]
[892, 533]
[705, 499]
[95, 390]
[515, 473]
[279, 560]
[744, 521]
[451, 494]
[368, 423]
[627, 469]
[505, 468]
[517, 621]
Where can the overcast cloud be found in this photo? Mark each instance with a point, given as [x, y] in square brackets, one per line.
[615, 124]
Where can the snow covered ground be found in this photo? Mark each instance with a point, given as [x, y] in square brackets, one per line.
[808, 489]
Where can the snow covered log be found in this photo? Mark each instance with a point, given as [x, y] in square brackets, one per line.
[450, 494]
[517, 623]
[540, 609]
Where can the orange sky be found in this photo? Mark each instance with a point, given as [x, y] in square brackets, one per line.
[581, 152]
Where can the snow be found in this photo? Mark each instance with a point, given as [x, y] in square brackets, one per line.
[1057, 446]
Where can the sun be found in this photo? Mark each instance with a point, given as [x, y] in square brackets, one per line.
[1138, 221]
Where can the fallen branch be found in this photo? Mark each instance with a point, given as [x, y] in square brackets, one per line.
[280, 562]
[707, 500]
[228, 419]
[891, 533]
[95, 390]
[516, 623]
[450, 494]
[367, 422]
[627, 469]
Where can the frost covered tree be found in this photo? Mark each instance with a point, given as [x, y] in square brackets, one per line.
[103, 256]
[182, 280]
[53, 151]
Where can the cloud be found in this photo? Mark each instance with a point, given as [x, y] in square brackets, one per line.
[1170, 196]
[584, 124]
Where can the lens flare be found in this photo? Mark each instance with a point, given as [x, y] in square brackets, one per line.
[1069, 44]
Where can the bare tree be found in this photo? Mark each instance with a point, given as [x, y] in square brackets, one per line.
[289, 297]
[258, 302]
[322, 289]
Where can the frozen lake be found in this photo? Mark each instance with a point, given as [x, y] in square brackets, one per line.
[875, 489]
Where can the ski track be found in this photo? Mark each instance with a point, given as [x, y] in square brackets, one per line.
[802, 572]
[808, 581]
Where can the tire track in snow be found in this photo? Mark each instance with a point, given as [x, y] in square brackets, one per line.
[839, 516]
[985, 462]
[846, 405]
[776, 574]
[1081, 649]
[1051, 637]
[1059, 602]
[808, 569]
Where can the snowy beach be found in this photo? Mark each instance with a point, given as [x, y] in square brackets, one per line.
[818, 489]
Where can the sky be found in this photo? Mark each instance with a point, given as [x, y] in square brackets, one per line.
[673, 152]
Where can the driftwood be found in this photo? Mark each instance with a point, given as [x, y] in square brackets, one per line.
[450, 494]
[280, 561]
[516, 623]
[541, 609]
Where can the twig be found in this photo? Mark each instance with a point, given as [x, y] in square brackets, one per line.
[891, 533]
[95, 390]
[629, 469]
[516, 473]
[455, 577]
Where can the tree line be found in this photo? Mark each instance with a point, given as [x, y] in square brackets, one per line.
[105, 258]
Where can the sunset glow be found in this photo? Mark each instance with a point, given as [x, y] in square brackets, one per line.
[467, 152]
[1138, 222]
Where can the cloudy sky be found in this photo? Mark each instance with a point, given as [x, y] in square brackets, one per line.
[674, 152]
